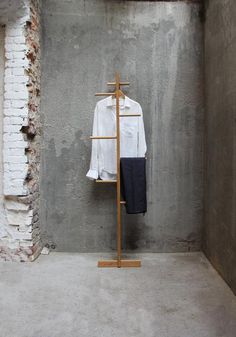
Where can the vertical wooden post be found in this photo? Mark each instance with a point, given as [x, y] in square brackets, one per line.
[119, 228]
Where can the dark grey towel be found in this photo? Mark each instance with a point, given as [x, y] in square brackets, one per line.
[133, 184]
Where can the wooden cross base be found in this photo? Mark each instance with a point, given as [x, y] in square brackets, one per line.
[119, 263]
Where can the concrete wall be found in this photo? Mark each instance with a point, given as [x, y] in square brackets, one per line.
[157, 47]
[220, 215]
[2, 67]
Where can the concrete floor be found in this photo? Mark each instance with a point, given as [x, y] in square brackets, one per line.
[172, 295]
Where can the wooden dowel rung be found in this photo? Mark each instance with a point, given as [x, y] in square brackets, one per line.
[121, 83]
[119, 263]
[105, 94]
[104, 137]
[105, 181]
[130, 115]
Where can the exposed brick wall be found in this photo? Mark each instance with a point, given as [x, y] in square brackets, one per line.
[19, 239]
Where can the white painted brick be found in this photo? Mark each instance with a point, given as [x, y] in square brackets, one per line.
[9, 55]
[13, 32]
[21, 14]
[8, 95]
[19, 103]
[12, 137]
[16, 145]
[14, 95]
[15, 63]
[9, 185]
[17, 167]
[25, 244]
[18, 87]
[3, 234]
[16, 112]
[9, 176]
[9, 78]
[15, 79]
[9, 39]
[15, 205]
[18, 190]
[16, 235]
[25, 121]
[13, 121]
[6, 170]
[12, 56]
[16, 181]
[8, 72]
[11, 128]
[12, 24]
[11, 244]
[16, 120]
[18, 174]
[8, 46]
[19, 55]
[15, 159]
[14, 190]
[18, 47]
[19, 39]
[7, 120]
[23, 236]
[19, 183]
[25, 229]
[18, 71]
[9, 190]
[14, 152]
[6, 103]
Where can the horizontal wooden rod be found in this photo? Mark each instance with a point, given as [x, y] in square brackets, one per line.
[102, 137]
[123, 202]
[105, 94]
[119, 264]
[121, 83]
[105, 181]
[130, 115]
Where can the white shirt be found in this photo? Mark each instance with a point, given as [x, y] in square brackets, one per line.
[132, 136]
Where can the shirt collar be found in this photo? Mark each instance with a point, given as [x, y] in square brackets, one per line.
[126, 103]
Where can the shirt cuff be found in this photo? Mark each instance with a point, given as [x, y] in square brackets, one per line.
[92, 174]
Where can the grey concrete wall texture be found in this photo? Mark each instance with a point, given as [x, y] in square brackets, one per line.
[220, 216]
[157, 47]
[2, 65]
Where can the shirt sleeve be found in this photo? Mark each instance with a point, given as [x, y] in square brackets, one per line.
[142, 147]
[93, 169]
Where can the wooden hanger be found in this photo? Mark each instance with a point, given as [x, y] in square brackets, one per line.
[121, 94]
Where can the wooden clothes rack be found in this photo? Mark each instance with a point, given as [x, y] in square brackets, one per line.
[118, 262]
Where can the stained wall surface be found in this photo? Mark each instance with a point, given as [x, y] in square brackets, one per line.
[2, 38]
[157, 47]
[220, 215]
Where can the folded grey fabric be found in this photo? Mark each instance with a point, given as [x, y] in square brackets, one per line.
[133, 184]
